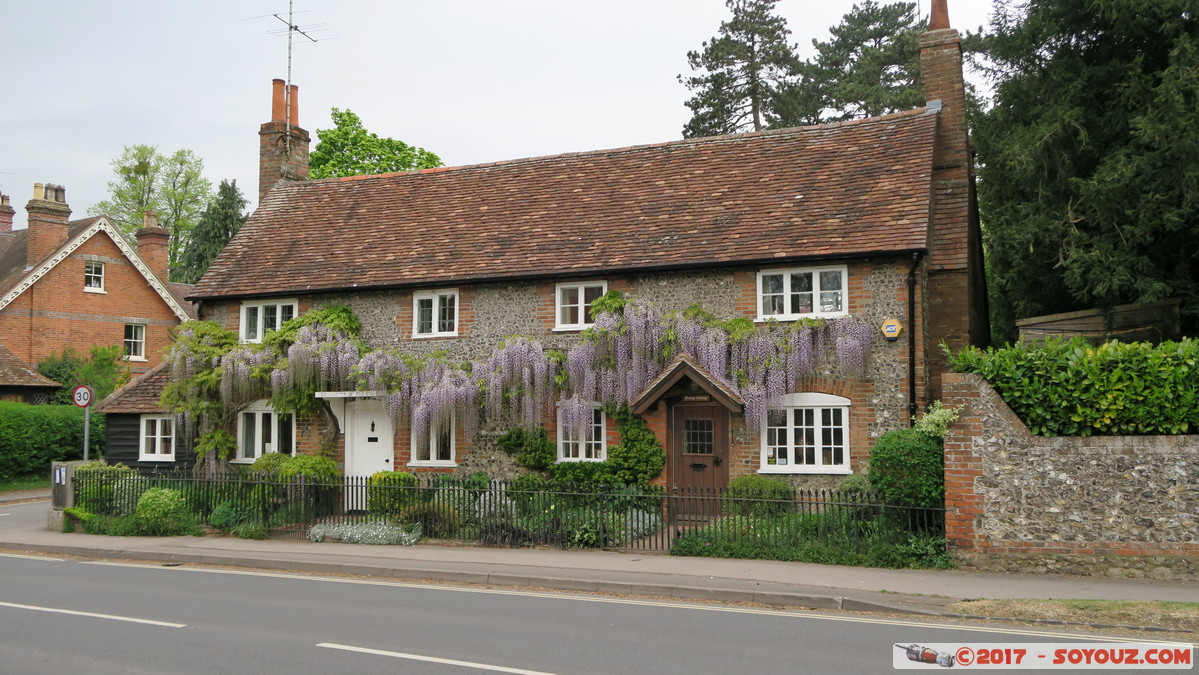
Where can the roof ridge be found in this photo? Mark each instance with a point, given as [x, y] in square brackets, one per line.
[682, 142]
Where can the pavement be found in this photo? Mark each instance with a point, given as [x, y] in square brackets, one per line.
[765, 582]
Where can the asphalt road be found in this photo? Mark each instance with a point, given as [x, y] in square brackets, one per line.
[92, 617]
[13, 516]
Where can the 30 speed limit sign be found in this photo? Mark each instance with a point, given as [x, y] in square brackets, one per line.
[82, 395]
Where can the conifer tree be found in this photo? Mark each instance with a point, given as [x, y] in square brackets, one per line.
[223, 217]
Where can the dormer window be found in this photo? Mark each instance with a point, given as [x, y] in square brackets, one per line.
[93, 276]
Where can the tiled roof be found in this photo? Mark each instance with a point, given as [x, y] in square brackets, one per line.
[847, 189]
[12, 252]
[16, 373]
[181, 292]
[140, 395]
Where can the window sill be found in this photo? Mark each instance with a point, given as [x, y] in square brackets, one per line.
[818, 470]
[427, 336]
[242, 461]
[570, 460]
[134, 358]
[156, 459]
[430, 465]
[800, 317]
[571, 329]
[101, 291]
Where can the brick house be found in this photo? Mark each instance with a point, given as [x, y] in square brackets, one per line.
[873, 219]
[78, 283]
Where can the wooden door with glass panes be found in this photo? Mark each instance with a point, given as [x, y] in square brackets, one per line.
[700, 448]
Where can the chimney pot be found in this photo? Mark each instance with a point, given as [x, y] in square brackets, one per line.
[153, 245]
[295, 106]
[939, 18]
[278, 109]
[6, 214]
[48, 217]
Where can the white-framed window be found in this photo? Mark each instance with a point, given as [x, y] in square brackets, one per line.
[586, 445]
[806, 433]
[437, 448]
[261, 430]
[811, 292]
[93, 276]
[260, 316]
[572, 304]
[435, 313]
[135, 342]
[156, 442]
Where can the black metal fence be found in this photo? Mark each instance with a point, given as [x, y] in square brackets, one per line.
[534, 512]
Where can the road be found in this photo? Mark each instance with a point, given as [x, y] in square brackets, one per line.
[101, 617]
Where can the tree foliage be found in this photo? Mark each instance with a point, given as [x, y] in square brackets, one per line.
[223, 217]
[739, 71]
[103, 369]
[172, 185]
[1089, 179]
[348, 149]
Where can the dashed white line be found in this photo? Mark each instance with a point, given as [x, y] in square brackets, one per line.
[93, 615]
[431, 659]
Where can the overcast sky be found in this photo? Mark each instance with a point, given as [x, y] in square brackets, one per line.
[471, 80]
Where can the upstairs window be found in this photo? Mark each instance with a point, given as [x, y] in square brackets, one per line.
[435, 313]
[573, 304]
[261, 430]
[157, 439]
[135, 342]
[258, 317]
[93, 276]
[787, 295]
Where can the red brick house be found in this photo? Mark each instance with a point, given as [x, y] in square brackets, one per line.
[79, 283]
[872, 219]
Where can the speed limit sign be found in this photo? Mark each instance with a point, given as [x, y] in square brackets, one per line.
[82, 395]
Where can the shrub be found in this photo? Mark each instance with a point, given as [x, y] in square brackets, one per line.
[907, 469]
[758, 495]
[163, 512]
[367, 533]
[533, 448]
[639, 458]
[316, 468]
[270, 465]
[935, 422]
[98, 495]
[436, 520]
[493, 505]
[32, 436]
[230, 514]
[388, 492]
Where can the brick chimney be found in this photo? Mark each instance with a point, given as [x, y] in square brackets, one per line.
[6, 214]
[957, 305]
[152, 245]
[282, 144]
[48, 216]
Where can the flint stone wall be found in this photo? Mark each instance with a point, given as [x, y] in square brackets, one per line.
[1120, 506]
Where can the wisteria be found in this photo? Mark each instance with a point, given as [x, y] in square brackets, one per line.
[245, 374]
[321, 359]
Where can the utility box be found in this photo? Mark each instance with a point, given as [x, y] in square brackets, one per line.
[62, 484]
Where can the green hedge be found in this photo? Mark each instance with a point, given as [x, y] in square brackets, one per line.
[32, 436]
[1071, 388]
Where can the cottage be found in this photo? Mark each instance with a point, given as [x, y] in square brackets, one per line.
[868, 226]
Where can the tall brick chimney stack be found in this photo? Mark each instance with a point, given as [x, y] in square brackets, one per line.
[6, 214]
[282, 144]
[48, 216]
[153, 244]
[957, 311]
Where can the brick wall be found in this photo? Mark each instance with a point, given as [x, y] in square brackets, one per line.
[56, 312]
[1123, 506]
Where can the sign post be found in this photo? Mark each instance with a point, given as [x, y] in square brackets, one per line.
[82, 396]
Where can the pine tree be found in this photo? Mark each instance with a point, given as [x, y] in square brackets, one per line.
[223, 217]
[1089, 178]
[740, 71]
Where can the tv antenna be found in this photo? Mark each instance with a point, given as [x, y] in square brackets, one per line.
[291, 28]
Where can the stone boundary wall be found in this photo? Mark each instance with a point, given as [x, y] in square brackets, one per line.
[1119, 506]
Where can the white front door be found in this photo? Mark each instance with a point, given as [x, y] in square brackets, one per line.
[370, 443]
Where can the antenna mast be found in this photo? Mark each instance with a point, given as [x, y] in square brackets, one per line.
[291, 28]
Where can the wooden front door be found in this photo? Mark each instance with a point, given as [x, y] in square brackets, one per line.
[700, 448]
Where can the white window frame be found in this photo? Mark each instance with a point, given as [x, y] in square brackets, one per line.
[573, 450]
[89, 274]
[258, 308]
[437, 301]
[259, 445]
[580, 305]
[135, 347]
[826, 408]
[427, 447]
[150, 445]
[816, 311]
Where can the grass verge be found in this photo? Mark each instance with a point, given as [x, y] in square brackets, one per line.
[17, 483]
[1173, 615]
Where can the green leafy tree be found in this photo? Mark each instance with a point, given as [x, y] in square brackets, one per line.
[739, 71]
[348, 149]
[1089, 179]
[172, 185]
[869, 67]
[223, 217]
[103, 369]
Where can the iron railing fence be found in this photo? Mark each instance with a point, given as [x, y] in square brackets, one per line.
[525, 512]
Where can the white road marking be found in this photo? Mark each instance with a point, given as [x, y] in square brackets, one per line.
[93, 615]
[30, 557]
[795, 614]
[431, 659]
